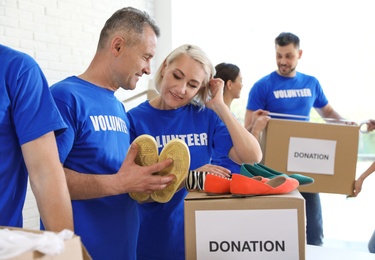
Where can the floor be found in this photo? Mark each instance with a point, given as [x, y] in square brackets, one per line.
[349, 222]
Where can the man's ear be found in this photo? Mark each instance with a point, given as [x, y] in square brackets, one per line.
[300, 54]
[117, 45]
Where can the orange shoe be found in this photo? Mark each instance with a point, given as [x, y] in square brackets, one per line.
[260, 178]
[282, 185]
[215, 184]
[243, 185]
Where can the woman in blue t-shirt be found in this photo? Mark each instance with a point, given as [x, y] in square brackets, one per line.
[190, 107]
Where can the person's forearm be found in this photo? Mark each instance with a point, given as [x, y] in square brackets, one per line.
[53, 201]
[367, 172]
[246, 146]
[48, 183]
[256, 134]
[90, 186]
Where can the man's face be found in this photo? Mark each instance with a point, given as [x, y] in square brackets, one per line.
[287, 59]
[137, 60]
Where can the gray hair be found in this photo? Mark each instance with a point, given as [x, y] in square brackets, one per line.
[130, 22]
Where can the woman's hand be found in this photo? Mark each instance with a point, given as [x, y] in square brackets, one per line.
[215, 169]
[216, 87]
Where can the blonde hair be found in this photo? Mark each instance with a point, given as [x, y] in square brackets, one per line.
[200, 56]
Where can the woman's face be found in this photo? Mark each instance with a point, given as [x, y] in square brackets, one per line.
[181, 81]
[237, 86]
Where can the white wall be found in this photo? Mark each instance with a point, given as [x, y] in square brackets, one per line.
[62, 36]
[337, 39]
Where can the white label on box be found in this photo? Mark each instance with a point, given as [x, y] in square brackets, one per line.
[311, 155]
[247, 234]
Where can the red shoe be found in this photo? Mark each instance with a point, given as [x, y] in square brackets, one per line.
[282, 185]
[260, 178]
[243, 185]
[215, 184]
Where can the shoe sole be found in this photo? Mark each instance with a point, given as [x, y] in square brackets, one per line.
[147, 155]
[178, 151]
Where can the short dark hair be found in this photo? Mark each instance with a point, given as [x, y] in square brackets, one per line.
[131, 22]
[227, 71]
[286, 38]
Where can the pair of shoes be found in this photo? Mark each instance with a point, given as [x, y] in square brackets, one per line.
[175, 149]
[261, 170]
[244, 186]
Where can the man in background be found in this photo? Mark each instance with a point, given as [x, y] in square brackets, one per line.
[264, 98]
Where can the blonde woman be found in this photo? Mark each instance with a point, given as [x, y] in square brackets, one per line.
[190, 107]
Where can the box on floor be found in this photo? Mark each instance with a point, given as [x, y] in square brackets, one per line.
[257, 227]
[74, 249]
[325, 152]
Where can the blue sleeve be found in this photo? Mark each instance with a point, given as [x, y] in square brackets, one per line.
[34, 111]
[66, 140]
[321, 99]
[257, 97]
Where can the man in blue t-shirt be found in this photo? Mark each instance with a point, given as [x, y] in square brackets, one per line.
[29, 121]
[94, 147]
[286, 91]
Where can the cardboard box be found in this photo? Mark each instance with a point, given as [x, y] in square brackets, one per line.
[257, 227]
[325, 152]
[74, 249]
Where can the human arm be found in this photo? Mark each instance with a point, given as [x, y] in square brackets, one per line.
[130, 178]
[359, 182]
[328, 112]
[246, 148]
[256, 121]
[48, 183]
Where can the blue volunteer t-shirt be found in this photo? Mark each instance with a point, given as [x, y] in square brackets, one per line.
[96, 142]
[27, 111]
[161, 233]
[278, 94]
